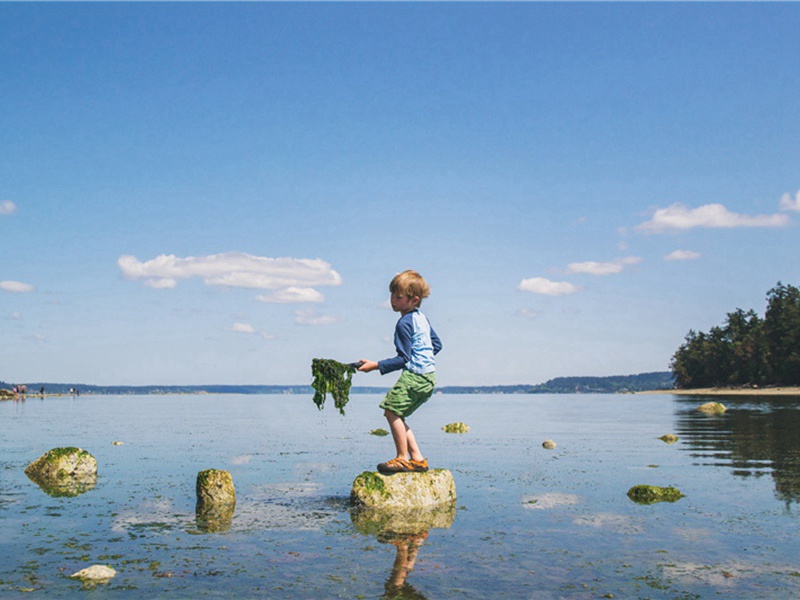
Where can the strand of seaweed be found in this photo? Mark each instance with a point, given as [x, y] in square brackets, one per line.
[334, 378]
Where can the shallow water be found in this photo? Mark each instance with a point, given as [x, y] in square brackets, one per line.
[528, 522]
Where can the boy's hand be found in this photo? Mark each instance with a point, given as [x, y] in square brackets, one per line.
[367, 366]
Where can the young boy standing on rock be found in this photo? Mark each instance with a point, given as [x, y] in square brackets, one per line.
[416, 343]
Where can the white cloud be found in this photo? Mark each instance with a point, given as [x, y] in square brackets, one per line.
[682, 255]
[292, 295]
[7, 207]
[603, 268]
[309, 317]
[679, 217]
[161, 284]
[787, 203]
[540, 285]
[234, 269]
[16, 287]
[242, 328]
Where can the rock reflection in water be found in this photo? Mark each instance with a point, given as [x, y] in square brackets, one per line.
[214, 519]
[64, 488]
[756, 436]
[406, 530]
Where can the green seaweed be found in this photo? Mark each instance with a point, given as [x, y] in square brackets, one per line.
[650, 494]
[334, 378]
[379, 432]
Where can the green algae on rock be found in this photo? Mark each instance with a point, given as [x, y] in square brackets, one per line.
[64, 472]
[650, 494]
[334, 378]
[379, 432]
[669, 438]
[716, 408]
[457, 427]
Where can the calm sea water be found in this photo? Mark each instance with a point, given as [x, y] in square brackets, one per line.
[528, 523]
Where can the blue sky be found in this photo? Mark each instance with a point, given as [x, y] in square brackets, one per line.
[218, 193]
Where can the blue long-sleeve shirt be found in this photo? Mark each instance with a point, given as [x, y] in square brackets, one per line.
[416, 343]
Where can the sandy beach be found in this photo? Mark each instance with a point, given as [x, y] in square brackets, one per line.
[770, 391]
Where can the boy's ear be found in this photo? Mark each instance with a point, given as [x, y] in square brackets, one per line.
[416, 300]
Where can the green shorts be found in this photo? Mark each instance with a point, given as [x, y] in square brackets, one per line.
[409, 393]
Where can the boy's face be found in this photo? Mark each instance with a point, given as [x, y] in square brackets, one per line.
[403, 304]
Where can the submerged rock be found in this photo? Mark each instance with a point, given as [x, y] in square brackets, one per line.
[716, 408]
[379, 432]
[64, 472]
[95, 573]
[403, 490]
[457, 427]
[549, 445]
[650, 494]
[669, 438]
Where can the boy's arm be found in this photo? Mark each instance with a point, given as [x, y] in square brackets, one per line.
[437, 343]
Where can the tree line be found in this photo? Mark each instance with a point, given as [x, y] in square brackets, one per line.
[746, 350]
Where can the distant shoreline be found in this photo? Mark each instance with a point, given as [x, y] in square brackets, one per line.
[768, 391]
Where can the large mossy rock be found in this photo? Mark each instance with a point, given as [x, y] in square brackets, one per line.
[403, 490]
[64, 472]
[216, 500]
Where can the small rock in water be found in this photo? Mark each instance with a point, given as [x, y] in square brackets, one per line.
[548, 445]
[457, 427]
[669, 438]
[118, 443]
[379, 431]
[716, 408]
[95, 573]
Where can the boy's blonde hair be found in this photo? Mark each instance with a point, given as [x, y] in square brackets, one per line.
[410, 283]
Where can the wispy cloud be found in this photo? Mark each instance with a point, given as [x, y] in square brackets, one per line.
[7, 207]
[242, 328]
[528, 313]
[679, 217]
[310, 317]
[292, 295]
[234, 269]
[789, 203]
[540, 285]
[682, 255]
[603, 268]
[16, 287]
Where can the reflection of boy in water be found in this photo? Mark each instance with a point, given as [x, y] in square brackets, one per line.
[407, 550]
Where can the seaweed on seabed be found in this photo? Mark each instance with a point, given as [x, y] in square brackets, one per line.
[334, 378]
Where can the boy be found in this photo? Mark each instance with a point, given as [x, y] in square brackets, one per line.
[416, 343]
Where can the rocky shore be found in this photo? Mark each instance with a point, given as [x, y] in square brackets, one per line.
[750, 391]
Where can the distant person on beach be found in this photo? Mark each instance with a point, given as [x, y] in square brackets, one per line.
[416, 343]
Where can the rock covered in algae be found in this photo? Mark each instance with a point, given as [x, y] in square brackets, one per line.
[215, 488]
[95, 573]
[457, 427]
[65, 471]
[403, 490]
[379, 432]
[650, 494]
[716, 408]
[549, 445]
[669, 438]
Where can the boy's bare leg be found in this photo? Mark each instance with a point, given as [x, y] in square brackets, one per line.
[404, 441]
[398, 429]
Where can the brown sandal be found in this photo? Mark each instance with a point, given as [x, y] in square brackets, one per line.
[396, 465]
